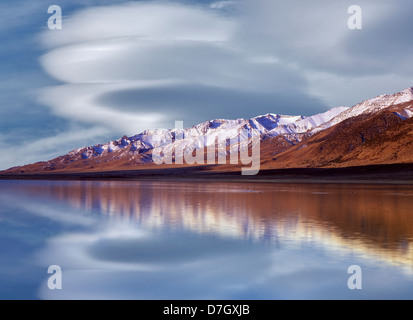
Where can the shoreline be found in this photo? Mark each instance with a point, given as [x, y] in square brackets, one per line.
[376, 174]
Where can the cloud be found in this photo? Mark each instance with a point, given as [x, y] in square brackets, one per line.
[385, 44]
[222, 4]
[211, 102]
[14, 14]
[313, 37]
[79, 103]
[34, 149]
[142, 65]
[335, 87]
[271, 52]
[142, 21]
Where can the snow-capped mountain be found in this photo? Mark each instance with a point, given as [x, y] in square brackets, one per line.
[138, 149]
[372, 105]
[207, 133]
[307, 124]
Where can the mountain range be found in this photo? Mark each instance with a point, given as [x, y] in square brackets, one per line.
[375, 131]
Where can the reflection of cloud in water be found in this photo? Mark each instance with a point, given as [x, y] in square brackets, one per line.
[126, 262]
[120, 261]
[190, 240]
[370, 220]
[58, 213]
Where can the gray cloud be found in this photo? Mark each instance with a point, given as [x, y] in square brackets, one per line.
[315, 35]
[265, 56]
[207, 102]
[150, 63]
[385, 46]
[343, 66]
[33, 149]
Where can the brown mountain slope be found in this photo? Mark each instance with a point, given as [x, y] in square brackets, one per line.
[127, 159]
[378, 137]
[68, 164]
[381, 138]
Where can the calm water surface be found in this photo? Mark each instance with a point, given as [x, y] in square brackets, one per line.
[205, 240]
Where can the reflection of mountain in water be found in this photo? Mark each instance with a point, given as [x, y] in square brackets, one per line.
[370, 220]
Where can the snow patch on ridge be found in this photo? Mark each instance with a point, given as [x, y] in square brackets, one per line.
[292, 128]
[370, 106]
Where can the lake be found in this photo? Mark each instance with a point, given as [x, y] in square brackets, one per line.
[205, 240]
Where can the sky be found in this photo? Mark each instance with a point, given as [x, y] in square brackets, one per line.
[119, 67]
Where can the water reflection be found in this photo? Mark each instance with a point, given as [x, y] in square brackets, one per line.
[375, 221]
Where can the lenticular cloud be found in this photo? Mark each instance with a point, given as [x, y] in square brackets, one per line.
[104, 51]
[107, 49]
